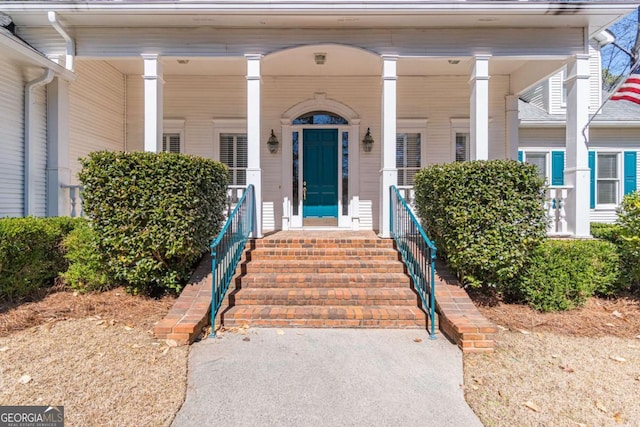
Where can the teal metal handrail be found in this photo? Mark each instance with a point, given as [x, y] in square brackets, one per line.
[227, 248]
[418, 253]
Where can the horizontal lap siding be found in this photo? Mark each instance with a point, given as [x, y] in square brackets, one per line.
[39, 147]
[12, 143]
[441, 98]
[207, 41]
[96, 112]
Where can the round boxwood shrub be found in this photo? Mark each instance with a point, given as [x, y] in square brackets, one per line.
[31, 254]
[485, 217]
[154, 214]
[564, 273]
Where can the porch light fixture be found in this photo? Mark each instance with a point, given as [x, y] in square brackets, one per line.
[182, 61]
[273, 143]
[320, 58]
[454, 61]
[367, 141]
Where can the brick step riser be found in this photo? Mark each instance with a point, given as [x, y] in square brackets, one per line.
[249, 282]
[322, 245]
[316, 269]
[324, 301]
[322, 257]
[325, 323]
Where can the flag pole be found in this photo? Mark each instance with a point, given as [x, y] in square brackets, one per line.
[611, 94]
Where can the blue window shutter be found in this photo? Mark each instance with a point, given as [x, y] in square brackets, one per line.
[592, 166]
[557, 168]
[520, 155]
[630, 178]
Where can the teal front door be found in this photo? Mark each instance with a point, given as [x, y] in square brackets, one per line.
[320, 173]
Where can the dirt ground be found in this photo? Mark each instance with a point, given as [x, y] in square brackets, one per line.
[95, 355]
[575, 368]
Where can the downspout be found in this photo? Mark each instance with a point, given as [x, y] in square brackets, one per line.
[29, 177]
[71, 43]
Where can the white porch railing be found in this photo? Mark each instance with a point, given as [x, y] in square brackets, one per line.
[409, 195]
[554, 205]
[75, 199]
[234, 194]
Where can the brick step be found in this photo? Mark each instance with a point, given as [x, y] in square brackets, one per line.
[337, 253]
[320, 243]
[327, 296]
[322, 266]
[325, 316]
[326, 280]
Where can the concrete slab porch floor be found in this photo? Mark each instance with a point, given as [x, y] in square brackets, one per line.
[325, 377]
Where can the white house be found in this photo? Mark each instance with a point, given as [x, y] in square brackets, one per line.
[613, 140]
[426, 81]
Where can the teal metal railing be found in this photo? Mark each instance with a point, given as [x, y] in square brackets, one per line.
[227, 248]
[418, 253]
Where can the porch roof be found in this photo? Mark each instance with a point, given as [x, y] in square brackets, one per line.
[594, 14]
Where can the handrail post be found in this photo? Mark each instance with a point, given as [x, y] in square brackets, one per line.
[214, 292]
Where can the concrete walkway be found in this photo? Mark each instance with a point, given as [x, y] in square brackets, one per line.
[325, 377]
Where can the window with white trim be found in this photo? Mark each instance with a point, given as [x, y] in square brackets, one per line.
[539, 160]
[171, 142]
[607, 178]
[408, 156]
[173, 135]
[462, 146]
[233, 153]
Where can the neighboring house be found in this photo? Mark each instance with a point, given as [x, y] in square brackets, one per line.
[613, 140]
[424, 81]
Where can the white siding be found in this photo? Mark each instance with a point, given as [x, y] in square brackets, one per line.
[208, 41]
[96, 112]
[538, 95]
[12, 82]
[200, 99]
[622, 139]
[12, 143]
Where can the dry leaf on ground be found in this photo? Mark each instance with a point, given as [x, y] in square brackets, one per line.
[529, 404]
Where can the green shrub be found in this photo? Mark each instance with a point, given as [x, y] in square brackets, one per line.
[88, 267]
[608, 232]
[564, 273]
[31, 255]
[629, 221]
[155, 214]
[485, 217]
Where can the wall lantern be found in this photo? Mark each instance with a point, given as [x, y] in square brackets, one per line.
[367, 141]
[273, 143]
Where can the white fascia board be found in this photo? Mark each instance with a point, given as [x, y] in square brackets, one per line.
[493, 7]
[594, 124]
[35, 58]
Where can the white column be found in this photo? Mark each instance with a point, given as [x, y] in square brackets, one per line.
[513, 126]
[58, 171]
[153, 104]
[389, 172]
[479, 108]
[254, 173]
[576, 172]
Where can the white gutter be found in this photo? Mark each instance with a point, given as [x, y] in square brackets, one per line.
[593, 124]
[71, 43]
[29, 177]
[604, 38]
[34, 57]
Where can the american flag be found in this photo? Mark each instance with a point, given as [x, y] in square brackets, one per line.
[630, 89]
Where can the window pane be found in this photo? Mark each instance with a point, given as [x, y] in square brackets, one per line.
[607, 192]
[345, 173]
[295, 198]
[226, 149]
[607, 165]
[241, 151]
[407, 157]
[462, 142]
[540, 161]
[171, 142]
[233, 153]
[320, 118]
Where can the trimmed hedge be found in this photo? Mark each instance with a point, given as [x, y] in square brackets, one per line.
[155, 214]
[629, 222]
[608, 232]
[31, 254]
[564, 273]
[485, 217]
[88, 265]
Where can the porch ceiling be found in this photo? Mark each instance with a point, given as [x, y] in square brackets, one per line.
[595, 15]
